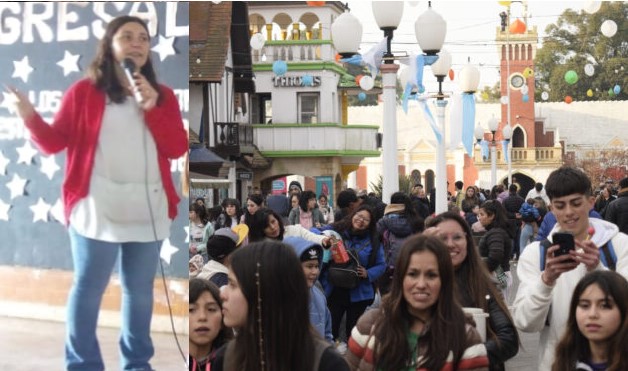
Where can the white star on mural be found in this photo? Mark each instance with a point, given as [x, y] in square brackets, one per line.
[40, 210]
[187, 234]
[4, 210]
[16, 186]
[8, 102]
[49, 166]
[69, 63]
[164, 47]
[56, 211]
[167, 250]
[26, 153]
[22, 69]
[3, 164]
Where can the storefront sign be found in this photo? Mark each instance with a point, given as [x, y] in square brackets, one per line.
[294, 81]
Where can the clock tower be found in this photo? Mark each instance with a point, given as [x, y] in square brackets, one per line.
[516, 47]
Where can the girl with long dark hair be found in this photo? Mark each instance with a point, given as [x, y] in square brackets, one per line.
[359, 235]
[420, 324]
[475, 287]
[596, 334]
[496, 244]
[267, 302]
[207, 332]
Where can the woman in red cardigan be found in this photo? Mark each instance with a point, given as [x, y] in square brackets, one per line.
[118, 192]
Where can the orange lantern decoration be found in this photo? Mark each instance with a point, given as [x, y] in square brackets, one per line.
[517, 27]
[451, 74]
[315, 3]
[358, 78]
[568, 99]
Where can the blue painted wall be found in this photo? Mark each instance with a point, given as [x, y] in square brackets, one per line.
[42, 37]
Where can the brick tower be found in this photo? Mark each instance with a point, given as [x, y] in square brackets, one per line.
[516, 45]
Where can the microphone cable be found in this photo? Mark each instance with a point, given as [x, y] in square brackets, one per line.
[161, 265]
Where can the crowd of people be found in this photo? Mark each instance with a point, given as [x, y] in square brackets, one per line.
[293, 283]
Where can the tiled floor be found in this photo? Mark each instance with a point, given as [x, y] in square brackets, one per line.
[29, 345]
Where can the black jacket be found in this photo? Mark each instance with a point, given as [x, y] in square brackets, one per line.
[496, 248]
[617, 212]
[498, 321]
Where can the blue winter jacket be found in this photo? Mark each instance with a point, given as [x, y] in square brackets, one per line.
[364, 291]
[320, 317]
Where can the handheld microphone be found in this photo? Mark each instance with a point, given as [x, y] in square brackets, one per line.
[129, 67]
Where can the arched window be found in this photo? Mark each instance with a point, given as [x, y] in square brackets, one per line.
[429, 180]
[415, 175]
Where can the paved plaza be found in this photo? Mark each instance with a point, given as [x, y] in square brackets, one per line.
[30, 345]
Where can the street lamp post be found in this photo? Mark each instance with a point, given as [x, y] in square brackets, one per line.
[440, 68]
[507, 134]
[493, 124]
[388, 15]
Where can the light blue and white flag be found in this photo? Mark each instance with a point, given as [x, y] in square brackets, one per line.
[374, 56]
[468, 122]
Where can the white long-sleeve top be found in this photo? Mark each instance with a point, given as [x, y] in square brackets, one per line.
[535, 301]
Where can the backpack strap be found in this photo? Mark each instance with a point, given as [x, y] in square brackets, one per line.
[544, 245]
[608, 256]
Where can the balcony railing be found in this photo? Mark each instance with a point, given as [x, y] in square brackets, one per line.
[524, 155]
[306, 140]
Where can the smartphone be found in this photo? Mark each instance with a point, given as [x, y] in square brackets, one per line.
[565, 241]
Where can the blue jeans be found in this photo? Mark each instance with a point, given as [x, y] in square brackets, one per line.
[527, 236]
[93, 263]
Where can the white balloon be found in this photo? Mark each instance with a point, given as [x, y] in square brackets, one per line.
[525, 89]
[504, 99]
[609, 28]
[545, 95]
[367, 83]
[589, 70]
[592, 6]
[257, 41]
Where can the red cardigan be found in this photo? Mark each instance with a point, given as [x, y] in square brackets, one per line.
[76, 126]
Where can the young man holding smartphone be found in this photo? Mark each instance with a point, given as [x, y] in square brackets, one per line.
[542, 300]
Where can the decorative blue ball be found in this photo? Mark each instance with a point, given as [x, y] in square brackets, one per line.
[617, 89]
[525, 98]
[280, 68]
[362, 96]
[307, 80]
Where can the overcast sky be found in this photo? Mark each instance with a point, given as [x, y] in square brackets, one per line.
[471, 30]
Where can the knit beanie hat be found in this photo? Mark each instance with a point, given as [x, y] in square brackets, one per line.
[313, 252]
[296, 184]
[222, 243]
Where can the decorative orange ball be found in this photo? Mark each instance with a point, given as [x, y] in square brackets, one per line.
[451, 74]
[518, 27]
[568, 99]
[358, 78]
[338, 57]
